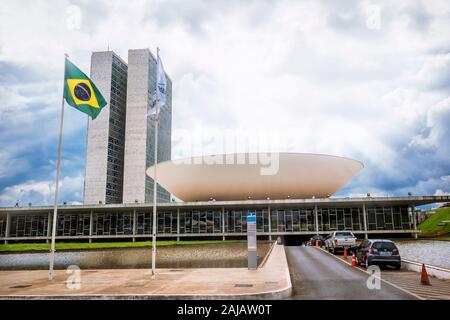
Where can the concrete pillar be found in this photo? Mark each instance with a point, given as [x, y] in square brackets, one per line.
[223, 223]
[316, 220]
[8, 226]
[178, 224]
[270, 223]
[49, 226]
[366, 235]
[134, 224]
[91, 225]
[414, 216]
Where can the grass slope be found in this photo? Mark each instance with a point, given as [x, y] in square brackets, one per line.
[20, 247]
[431, 227]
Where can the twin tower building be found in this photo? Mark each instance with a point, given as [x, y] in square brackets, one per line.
[120, 141]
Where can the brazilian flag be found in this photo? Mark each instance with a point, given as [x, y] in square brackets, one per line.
[80, 92]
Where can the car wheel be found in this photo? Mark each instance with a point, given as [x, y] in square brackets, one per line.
[398, 266]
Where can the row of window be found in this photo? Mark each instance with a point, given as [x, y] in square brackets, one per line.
[119, 65]
[118, 83]
[113, 194]
[114, 160]
[115, 173]
[210, 221]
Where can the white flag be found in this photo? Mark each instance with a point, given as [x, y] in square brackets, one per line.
[160, 88]
[160, 83]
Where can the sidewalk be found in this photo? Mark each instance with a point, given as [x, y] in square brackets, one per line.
[272, 280]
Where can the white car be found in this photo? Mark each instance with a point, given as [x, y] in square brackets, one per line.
[337, 240]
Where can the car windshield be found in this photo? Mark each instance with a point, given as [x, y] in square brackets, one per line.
[377, 245]
[388, 245]
[343, 234]
[381, 245]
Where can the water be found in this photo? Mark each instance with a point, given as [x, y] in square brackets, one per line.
[432, 252]
[226, 255]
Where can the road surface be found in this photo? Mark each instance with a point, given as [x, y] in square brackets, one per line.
[318, 275]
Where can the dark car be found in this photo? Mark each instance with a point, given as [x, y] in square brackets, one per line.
[313, 239]
[378, 252]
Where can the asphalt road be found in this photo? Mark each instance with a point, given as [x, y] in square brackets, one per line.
[318, 275]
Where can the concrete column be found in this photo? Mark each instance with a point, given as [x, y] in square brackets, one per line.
[223, 223]
[49, 226]
[366, 236]
[316, 221]
[134, 224]
[270, 223]
[178, 224]
[414, 216]
[8, 226]
[91, 225]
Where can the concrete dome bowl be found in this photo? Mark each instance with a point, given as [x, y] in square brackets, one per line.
[255, 176]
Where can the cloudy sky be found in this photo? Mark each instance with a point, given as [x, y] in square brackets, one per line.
[368, 80]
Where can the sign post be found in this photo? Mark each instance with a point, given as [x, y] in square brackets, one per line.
[251, 240]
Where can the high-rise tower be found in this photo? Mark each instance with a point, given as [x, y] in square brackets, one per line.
[103, 182]
[139, 132]
[120, 143]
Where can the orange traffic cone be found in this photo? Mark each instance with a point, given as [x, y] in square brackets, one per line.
[345, 253]
[424, 276]
[317, 243]
[354, 260]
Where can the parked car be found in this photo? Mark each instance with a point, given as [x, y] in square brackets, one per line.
[379, 252]
[313, 239]
[337, 240]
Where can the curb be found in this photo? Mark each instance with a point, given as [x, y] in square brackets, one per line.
[434, 271]
[263, 262]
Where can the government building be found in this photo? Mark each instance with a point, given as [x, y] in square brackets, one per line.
[294, 202]
[290, 193]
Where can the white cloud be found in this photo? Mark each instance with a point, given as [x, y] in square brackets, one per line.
[358, 79]
[42, 192]
[440, 192]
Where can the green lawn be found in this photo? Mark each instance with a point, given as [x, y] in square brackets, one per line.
[99, 245]
[431, 228]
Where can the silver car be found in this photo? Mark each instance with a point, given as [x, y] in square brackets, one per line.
[338, 240]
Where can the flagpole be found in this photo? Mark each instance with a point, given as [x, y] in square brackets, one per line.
[55, 207]
[155, 184]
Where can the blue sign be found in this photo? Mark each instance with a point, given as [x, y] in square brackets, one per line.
[251, 216]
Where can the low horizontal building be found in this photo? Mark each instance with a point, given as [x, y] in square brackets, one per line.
[290, 195]
[365, 216]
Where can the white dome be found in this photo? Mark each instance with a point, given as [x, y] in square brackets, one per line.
[255, 176]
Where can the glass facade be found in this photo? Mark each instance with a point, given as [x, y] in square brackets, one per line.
[164, 134]
[73, 225]
[2, 226]
[111, 224]
[210, 221]
[116, 138]
[28, 225]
